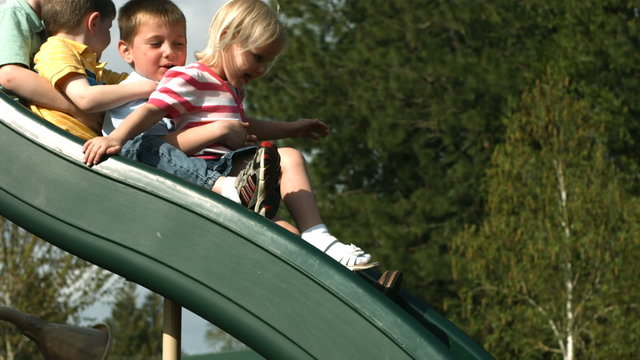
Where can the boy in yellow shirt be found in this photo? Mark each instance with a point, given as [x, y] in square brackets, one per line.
[69, 60]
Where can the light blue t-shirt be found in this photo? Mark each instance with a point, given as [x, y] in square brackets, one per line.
[114, 117]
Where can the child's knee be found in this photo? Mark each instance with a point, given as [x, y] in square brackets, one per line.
[291, 156]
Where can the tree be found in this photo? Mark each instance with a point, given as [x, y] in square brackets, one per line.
[137, 330]
[40, 279]
[403, 85]
[551, 269]
[414, 92]
[220, 341]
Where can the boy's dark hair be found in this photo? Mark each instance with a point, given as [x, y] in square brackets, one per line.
[135, 12]
[65, 15]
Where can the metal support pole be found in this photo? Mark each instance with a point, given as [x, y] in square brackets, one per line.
[171, 334]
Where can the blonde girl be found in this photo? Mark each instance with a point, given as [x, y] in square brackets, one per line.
[245, 38]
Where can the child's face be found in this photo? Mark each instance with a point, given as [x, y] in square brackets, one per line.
[155, 48]
[241, 66]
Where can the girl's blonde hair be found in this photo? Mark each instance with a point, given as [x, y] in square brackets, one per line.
[250, 23]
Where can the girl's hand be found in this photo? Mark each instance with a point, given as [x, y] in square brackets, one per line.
[311, 128]
[236, 135]
[95, 149]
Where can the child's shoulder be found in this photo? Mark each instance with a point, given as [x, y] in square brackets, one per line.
[18, 15]
[133, 76]
[17, 8]
[57, 43]
[194, 70]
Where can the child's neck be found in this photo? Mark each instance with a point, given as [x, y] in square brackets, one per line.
[36, 5]
[80, 37]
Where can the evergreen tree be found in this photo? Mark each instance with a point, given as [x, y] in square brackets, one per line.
[550, 272]
[40, 279]
[411, 90]
[220, 341]
[137, 330]
[414, 91]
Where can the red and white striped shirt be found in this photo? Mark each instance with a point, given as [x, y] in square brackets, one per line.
[194, 95]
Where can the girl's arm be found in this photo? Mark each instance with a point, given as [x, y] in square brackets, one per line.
[273, 130]
[231, 133]
[103, 97]
[137, 122]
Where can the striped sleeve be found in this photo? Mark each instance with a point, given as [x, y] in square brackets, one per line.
[173, 94]
[189, 90]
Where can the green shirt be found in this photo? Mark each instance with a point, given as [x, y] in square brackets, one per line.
[21, 33]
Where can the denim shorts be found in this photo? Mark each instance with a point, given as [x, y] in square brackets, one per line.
[153, 151]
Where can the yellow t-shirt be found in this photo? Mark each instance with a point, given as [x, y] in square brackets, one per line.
[59, 57]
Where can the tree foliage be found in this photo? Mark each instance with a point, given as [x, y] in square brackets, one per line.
[220, 341]
[550, 269]
[137, 330]
[40, 279]
[414, 92]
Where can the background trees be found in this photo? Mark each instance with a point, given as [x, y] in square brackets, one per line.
[220, 341]
[418, 95]
[136, 329]
[551, 267]
[40, 279]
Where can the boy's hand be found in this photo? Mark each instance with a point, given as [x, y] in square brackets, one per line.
[311, 128]
[146, 87]
[95, 149]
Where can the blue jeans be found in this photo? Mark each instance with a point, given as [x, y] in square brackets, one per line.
[153, 151]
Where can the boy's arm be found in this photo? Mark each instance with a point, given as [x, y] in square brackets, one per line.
[137, 122]
[102, 97]
[35, 89]
[273, 130]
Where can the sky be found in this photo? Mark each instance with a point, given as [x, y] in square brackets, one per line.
[198, 14]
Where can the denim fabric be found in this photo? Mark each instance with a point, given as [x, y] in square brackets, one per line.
[153, 151]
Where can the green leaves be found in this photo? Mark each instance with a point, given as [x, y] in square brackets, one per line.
[448, 116]
[557, 246]
[40, 279]
[137, 330]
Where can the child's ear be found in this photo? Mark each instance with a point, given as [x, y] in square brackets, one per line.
[125, 51]
[223, 34]
[92, 21]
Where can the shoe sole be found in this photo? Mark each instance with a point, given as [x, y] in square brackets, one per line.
[260, 192]
[262, 185]
[362, 266]
[390, 281]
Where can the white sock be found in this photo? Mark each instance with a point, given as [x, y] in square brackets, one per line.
[229, 189]
[318, 236]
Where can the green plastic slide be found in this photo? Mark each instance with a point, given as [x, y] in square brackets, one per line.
[264, 286]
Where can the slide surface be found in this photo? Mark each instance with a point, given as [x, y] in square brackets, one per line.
[234, 268]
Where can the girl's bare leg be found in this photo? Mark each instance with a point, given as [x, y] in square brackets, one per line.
[239, 162]
[296, 189]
